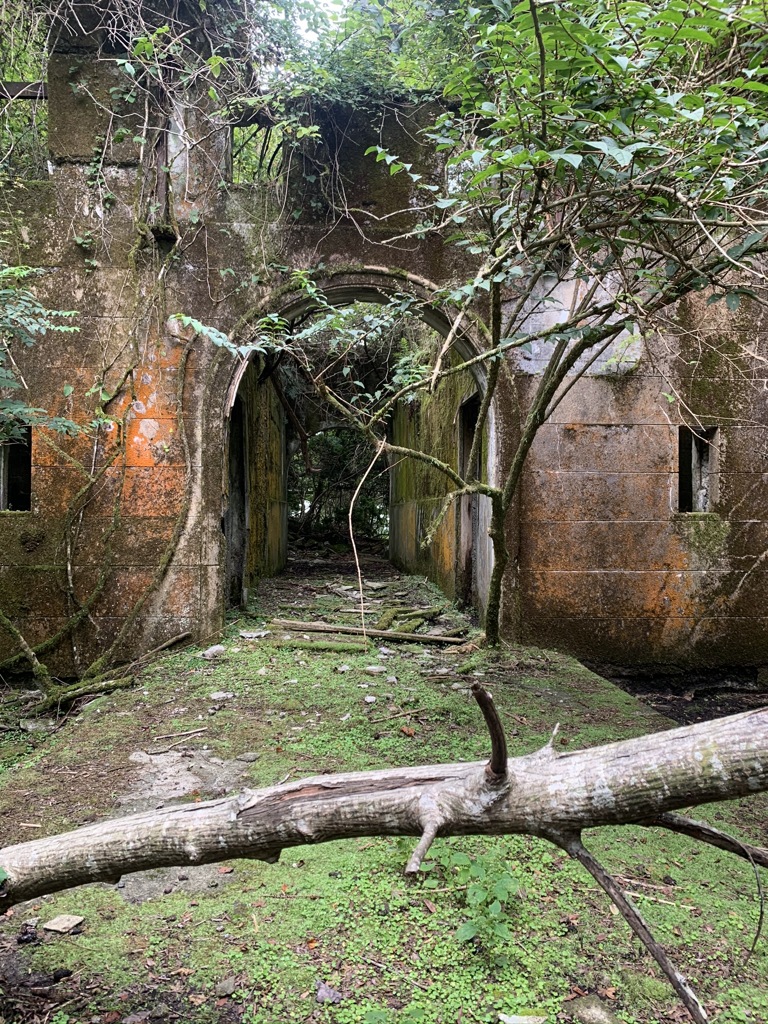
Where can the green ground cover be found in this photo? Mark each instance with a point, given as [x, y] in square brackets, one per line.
[493, 925]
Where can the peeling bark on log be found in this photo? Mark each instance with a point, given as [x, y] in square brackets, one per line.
[546, 794]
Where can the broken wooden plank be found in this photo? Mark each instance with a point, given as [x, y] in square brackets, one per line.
[385, 634]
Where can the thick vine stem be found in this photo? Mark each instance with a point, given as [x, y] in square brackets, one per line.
[496, 769]
[573, 845]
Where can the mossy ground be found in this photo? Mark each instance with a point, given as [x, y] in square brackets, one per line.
[342, 913]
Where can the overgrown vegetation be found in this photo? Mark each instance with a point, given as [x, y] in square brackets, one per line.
[398, 951]
[600, 165]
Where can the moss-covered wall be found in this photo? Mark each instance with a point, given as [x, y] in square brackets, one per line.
[268, 534]
[418, 491]
[123, 547]
[610, 568]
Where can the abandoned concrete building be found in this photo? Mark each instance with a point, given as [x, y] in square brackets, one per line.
[635, 539]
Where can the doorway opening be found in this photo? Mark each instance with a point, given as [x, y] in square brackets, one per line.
[322, 483]
[304, 431]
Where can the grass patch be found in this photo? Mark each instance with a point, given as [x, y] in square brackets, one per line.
[342, 913]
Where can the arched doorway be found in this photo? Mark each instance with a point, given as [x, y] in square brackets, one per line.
[265, 417]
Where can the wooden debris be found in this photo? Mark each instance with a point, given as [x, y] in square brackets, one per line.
[386, 634]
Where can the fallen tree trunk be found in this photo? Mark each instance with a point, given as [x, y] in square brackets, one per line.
[548, 794]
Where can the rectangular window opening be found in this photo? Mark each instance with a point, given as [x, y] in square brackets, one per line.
[698, 449]
[257, 154]
[16, 474]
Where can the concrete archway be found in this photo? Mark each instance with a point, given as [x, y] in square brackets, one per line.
[253, 534]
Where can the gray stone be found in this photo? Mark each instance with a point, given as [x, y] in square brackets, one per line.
[326, 994]
[37, 724]
[213, 652]
[591, 1010]
[375, 670]
[227, 986]
[63, 923]
[221, 695]
[249, 756]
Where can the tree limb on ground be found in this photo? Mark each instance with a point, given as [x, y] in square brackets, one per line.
[384, 634]
[548, 794]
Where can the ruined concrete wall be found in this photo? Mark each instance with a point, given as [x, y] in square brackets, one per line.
[123, 548]
[417, 493]
[268, 536]
[610, 568]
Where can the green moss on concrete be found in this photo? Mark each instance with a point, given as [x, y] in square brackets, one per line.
[705, 533]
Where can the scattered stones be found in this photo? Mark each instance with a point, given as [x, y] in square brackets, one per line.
[257, 634]
[326, 994]
[213, 652]
[591, 1010]
[221, 695]
[343, 668]
[226, 987]
[248, 757]
[375, 670]
[386, 651]
[391, 679]
[370, 699]
[63, 923]
[525, 1018]
[43, 725]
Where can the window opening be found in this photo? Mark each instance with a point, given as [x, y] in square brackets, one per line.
[698, 468]
[24, 130]
[257, 154]
[16, 474]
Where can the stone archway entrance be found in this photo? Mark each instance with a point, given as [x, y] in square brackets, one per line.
[457, 554]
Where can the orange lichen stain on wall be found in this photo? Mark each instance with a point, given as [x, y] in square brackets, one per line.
[442, 552]
[157, 491]
[152, 441]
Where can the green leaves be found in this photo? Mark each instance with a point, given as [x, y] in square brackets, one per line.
[24, 320]
[466, 932]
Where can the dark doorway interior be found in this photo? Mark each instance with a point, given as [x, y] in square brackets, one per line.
[323, 476]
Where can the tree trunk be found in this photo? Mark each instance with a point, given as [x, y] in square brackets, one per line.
[549, 794]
